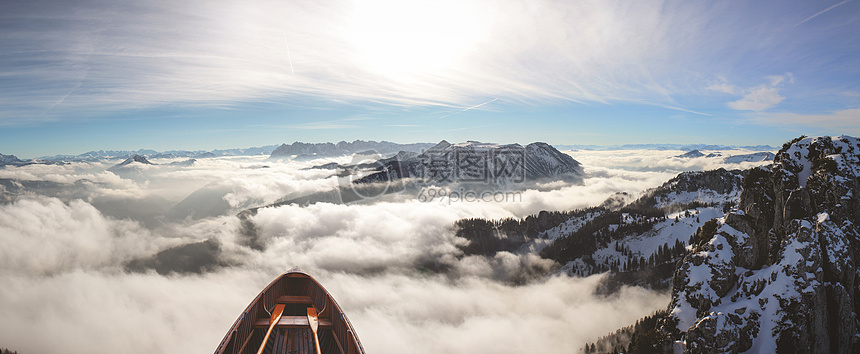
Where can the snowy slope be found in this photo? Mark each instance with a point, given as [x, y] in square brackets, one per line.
[682, 205]
[669, 231]
[644, 245]
[568, 226]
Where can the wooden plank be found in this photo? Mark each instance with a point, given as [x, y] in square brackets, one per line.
[337, 341]
[245, 343]
[305, 347]
[288, 339]
[278, 340]
[292, 322]
[286, 299]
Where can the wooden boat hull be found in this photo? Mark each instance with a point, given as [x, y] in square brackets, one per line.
[292, 333]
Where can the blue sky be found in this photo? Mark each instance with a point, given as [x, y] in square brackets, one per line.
[86, 75]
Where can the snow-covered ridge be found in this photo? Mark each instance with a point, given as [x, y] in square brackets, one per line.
[478, 145]
[798, 158]
[718, 186]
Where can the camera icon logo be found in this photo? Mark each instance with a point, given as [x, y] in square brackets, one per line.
[369, 176]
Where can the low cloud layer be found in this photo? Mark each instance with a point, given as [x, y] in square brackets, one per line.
[393, 265]
[100, 312]
[44, 236]
[658, 161]
[478, 316]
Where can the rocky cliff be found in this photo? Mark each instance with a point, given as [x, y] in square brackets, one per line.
[779, 273]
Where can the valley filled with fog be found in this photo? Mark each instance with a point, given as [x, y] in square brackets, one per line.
[159, 257]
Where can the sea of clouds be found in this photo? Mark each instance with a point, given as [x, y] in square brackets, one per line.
[393, 264]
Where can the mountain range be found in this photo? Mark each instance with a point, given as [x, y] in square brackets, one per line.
[97, 155]
[297, 150]
[304, 151]
[476, 162]
[12, 160]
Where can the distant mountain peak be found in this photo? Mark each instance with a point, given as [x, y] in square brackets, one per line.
[442, 145]
[136, 158]
[691, 154]
[141, 159]
[131, 160]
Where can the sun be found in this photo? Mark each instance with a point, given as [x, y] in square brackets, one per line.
[411, 37]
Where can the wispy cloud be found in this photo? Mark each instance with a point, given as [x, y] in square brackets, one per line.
[833, 120]
[195, 54]
[819, 13]
[758, 98]
[321, 126]
[344, 123]
[723, 87]
[473, 127]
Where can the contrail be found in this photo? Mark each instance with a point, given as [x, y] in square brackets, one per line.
[466, 109]
[289, 57]
[822, 11]
[63, 99]
[685, 110]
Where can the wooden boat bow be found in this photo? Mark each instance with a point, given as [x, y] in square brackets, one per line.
[289, 326]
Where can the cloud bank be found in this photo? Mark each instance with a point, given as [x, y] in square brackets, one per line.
[393, 265]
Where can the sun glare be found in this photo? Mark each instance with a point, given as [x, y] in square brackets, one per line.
[403, 37]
